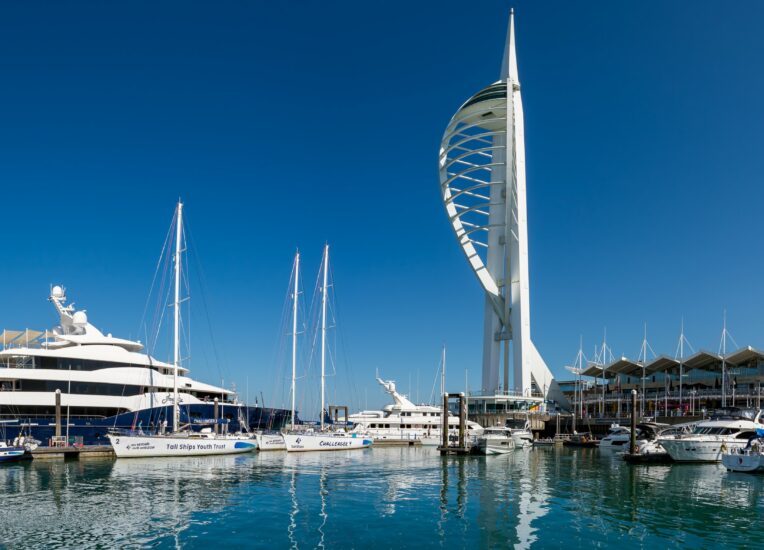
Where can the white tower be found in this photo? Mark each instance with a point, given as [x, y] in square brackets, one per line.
[482, 178]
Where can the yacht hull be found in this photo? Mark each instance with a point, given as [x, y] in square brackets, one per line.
[270, 442]
[10, 454]
[139, 446]
[615, 442]
[325, 442]
[695, 450]
[495, 446]
[522, 438]
[751, 462]
[93, 431]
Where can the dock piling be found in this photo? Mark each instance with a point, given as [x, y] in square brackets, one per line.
[633, 439]
[444, 423]
[217, 415]
[461, 448]
[462, 422]
[58, 414]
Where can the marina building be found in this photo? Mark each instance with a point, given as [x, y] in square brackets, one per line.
[668, 386]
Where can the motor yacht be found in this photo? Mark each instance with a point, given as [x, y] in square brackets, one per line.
[520, 431]
[617, 437]
[497, 440]
[748, 459]
[728, 430]
[403, 421]
[649, 433]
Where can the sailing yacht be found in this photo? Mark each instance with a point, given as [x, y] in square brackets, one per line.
[178, 443]
[323, 440]
[275, 441]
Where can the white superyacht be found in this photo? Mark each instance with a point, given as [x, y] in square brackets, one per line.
[403, 421]
[105, 383]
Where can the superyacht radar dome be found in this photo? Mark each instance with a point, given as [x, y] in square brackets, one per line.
[57, 292]
[80, 318]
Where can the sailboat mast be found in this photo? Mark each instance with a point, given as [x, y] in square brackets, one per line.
[294, 328]
[176, 333]
[323, 329]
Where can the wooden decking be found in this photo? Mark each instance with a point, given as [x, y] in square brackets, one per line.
[79, 453]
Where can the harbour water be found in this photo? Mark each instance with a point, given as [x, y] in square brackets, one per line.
[381, 498]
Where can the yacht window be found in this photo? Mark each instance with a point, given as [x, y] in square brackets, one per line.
[84, 388]
[744, 435]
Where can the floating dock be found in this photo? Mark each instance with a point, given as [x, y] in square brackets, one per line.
[63, 453]
[397, 442]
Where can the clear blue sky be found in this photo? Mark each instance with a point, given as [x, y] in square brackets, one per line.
[287, 124]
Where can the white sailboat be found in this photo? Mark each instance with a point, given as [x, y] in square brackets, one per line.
[323, 440]
[178, 443]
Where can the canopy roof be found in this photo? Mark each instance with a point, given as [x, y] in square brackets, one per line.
[664, 362]
[704, 360]
[594, 369]
[744, 356]
[624, 366]
[22, 337]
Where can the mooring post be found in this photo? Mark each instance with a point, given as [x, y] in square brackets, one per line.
[462, 422]
[217, 415]
[633, 445]
[444, 424]
[58, 414]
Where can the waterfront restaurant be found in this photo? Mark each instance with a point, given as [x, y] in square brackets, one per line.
[667, 386]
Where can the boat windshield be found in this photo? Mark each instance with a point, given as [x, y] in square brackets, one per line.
[733, 413]
[701, 430]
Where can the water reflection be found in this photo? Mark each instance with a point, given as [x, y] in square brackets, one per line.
[293, 512]
[381, 497]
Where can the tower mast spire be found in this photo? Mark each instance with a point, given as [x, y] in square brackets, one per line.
[483, 184]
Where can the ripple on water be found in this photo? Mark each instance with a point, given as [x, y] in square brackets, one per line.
[385, 497]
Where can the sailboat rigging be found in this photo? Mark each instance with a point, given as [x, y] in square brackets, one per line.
[326, 439]
[178, 443]
[275, 441]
